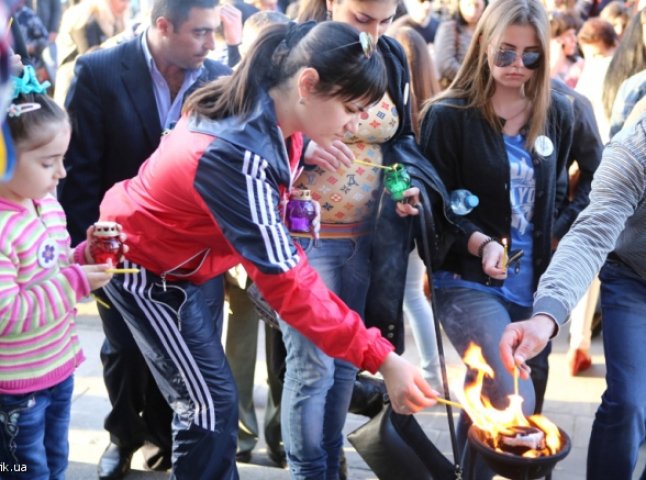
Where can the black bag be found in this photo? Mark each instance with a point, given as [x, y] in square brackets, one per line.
[396, 448]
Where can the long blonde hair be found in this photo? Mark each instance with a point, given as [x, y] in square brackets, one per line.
[474, 81]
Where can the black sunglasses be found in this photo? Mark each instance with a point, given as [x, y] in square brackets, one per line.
[504, 58]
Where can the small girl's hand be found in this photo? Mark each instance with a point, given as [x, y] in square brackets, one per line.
[96, 275]
[408, 206]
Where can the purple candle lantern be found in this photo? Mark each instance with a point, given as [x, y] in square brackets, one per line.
[300, 211]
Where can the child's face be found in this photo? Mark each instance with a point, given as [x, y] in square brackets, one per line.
[38, 170]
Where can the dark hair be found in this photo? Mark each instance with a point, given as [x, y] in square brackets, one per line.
[561, 22]
[596, 30]
[32, 129]
[629, 58]
[176, 11]
[333, 49]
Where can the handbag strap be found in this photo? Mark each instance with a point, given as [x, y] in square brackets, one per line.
[424, 231]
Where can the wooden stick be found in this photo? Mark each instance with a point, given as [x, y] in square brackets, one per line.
[448, 402]
[10, 23]
[100, 302]
[515, 380]
[368, 164]
[122, 270]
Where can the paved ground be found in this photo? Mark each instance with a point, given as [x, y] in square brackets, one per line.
[570, 403]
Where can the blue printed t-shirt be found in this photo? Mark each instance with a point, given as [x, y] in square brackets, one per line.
[518, 287]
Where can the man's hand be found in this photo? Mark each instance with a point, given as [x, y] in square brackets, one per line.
[407, 389]
[524, 340]
[231, 19]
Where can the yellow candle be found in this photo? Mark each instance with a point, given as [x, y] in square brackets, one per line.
[505, 258]
[122, 270]
[100, 302]
[368, 164]
[448, 402]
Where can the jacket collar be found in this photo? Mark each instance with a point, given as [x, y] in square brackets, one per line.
[259, 132]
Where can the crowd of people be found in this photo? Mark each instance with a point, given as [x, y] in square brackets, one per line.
[190, 123]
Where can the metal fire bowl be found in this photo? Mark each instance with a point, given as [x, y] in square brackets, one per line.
[514, 466]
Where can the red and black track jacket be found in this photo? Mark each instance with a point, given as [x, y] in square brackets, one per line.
[208, 198]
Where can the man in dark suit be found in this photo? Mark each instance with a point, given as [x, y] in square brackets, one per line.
[120, 102]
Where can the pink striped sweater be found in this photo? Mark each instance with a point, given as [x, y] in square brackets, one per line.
[40, 284]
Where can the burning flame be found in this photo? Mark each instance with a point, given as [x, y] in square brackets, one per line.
[494, 421]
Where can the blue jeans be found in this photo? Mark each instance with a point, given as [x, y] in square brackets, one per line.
[619, 425]
[318, 388]
[420, 318]
[473, 316]
[33, 433]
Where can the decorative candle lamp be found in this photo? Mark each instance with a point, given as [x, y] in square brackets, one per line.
[397, 181]
[105, 244]
[300, 212]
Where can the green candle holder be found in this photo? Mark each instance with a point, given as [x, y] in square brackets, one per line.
[397, 181]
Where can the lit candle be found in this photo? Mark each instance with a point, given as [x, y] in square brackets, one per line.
[505, 258]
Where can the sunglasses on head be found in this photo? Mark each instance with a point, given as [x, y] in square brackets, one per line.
[367, 43]
[504, 58]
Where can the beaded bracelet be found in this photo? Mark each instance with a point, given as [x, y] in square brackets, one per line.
[484, 244]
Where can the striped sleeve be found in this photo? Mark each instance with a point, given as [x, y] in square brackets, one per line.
[242, 194]
[617, 189]
[30, 294]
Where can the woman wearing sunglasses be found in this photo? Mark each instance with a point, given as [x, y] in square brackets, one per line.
[499, 132]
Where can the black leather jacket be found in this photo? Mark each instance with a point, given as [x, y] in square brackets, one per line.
[469, 153]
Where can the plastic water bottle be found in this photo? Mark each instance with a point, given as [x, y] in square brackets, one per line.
[462, 201]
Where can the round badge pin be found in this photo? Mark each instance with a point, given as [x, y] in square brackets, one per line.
[48, 253]
[543, 146]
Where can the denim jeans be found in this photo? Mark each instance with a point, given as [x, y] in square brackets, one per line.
[619, 425]
[317, 387]
[473, 316]
[33, 433]
[420, 318]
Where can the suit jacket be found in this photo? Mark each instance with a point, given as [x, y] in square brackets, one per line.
[115, 127]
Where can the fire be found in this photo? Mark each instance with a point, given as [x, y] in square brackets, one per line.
[494, 421]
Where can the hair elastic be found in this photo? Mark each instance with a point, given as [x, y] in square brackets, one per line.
[28, 83]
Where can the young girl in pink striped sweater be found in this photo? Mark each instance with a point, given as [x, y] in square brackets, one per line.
[41, 280]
